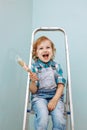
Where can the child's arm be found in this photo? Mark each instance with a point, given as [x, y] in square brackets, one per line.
[33, 77]
[33, 87]
[53, 102]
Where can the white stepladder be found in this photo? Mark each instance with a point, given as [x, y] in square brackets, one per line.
[68, 102]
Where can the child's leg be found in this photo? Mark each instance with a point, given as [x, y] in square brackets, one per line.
[59, 122]
[41, 114]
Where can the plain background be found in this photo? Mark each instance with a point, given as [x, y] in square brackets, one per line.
[15, 38]
[17, 20]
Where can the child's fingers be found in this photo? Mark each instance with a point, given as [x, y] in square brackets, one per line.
[33, 76]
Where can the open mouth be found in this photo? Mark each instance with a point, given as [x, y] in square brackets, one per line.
[45, 55]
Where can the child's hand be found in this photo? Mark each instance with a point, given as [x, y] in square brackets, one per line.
[33, 77]
[52, 104]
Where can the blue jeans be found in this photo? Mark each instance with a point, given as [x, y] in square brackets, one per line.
[42, 115]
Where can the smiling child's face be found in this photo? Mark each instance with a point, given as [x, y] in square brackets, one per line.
[44, 51]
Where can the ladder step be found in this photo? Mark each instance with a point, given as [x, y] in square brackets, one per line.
[68, 112]
[32, 112]
[28, 110]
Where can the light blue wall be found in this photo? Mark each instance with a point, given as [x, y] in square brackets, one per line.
[15, 37]
[15, 34]
[72, 16]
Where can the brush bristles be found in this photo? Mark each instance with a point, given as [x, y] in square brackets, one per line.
[21, 63]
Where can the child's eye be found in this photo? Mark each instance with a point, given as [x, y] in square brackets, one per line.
[48, 47]
[40, 48]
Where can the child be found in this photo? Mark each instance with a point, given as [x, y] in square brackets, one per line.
[47, 85]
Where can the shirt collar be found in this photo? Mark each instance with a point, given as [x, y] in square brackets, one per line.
[43, 64]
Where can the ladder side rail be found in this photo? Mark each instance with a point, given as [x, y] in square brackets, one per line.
[67, 105]
[68, 112]
[69, 81]
[27, 88]
[26, 104]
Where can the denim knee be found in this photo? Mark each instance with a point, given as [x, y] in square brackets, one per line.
[41, 114]
[58, 119]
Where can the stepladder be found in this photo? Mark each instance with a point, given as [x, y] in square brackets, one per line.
[68, 92]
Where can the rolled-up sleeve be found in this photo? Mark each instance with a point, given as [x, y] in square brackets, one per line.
[59, 75]
[33, 68]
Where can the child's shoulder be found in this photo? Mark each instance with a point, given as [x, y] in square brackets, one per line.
[35, 64]
[56, 65]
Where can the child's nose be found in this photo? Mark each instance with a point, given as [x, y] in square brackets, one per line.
[45, 49]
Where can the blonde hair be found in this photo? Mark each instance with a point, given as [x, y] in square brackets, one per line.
[38, 42]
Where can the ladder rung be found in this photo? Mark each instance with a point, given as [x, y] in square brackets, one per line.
[32, 112]
[68, 112]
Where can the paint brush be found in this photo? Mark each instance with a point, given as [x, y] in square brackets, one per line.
[23, 64]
